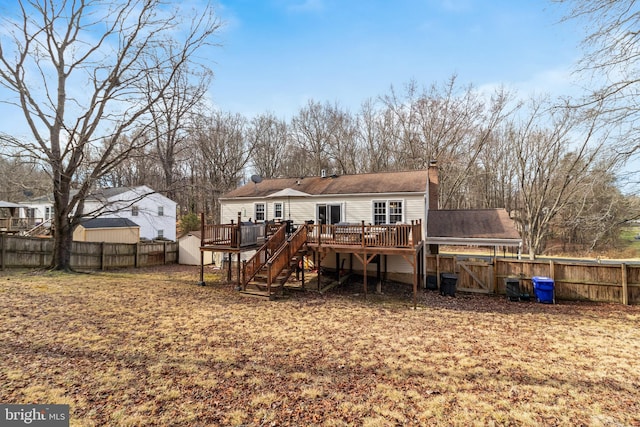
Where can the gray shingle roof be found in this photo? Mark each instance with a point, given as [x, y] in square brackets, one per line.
[384, 182]
[472, 223]
[108, 223]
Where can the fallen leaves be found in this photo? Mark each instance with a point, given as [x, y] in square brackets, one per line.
[152, 348]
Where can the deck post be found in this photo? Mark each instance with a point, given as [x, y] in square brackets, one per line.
[201, 282]
[102, 256]
[238, 268]
[415, 282]
[379, 276]
[3, 253]
[365, 263]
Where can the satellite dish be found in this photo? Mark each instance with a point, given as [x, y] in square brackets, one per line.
[256, 178]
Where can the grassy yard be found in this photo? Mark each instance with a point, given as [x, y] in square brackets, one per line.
[151, 348]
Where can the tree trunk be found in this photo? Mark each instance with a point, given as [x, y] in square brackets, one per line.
[62, 240]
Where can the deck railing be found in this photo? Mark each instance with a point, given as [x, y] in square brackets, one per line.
[378, 236]
[363, 235]
[284, 254]
[232, 235]
[18, 224]
[219, 235]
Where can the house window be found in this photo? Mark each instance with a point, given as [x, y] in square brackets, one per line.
[387, 211]
[277, 210]
[380, 213]
[160, 234]
[48, 213]
[395, 211]
[160, 210]
[134, 210]
[259, 212]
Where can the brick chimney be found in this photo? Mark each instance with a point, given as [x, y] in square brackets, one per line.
[434, 185]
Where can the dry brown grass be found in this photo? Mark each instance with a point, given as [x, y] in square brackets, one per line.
[152, 348]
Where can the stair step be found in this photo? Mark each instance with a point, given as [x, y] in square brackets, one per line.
[263, 286]
[257, 293]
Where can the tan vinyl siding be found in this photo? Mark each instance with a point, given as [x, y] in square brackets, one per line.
[189, 251]
[354, 208]
[108, 235]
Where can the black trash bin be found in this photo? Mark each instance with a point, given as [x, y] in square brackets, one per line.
[432, 283]
[512, 288]
[448, 284]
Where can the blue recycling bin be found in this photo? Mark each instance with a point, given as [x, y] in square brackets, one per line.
[544, 289]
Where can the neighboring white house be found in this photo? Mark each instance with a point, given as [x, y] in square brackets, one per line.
[153, 212]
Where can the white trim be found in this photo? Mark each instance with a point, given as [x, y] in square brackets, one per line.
[480, 241]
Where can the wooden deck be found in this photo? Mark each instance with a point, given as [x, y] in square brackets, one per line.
[17, 225]
[381, 239]
[364, 241]
[398, 238]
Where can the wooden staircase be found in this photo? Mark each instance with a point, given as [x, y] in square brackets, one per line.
[267, 272]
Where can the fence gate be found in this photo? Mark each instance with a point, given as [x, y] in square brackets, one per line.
[475, 275]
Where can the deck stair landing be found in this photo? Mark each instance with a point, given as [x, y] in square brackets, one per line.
[267, 272]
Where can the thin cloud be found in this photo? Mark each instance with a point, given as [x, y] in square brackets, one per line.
[306, 6]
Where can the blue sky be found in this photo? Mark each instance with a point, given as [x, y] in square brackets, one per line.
[275, 55]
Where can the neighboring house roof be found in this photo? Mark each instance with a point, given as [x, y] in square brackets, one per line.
[108, 193]
[108, 223]
[187, 233]
[4, 204]
[473, 226]
[102, 193]
[368, 183]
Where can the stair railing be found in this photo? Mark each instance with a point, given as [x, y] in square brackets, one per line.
[251, 267]
[284, 254]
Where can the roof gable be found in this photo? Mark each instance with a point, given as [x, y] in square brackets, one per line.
[368, 183]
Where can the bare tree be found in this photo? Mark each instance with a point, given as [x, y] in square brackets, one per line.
[170, 116]
[377, 133]
[268, 135]
[594, 214]
[447, 123]
[612, 61]
[22, 178]
[555, 150]
[312, 129]
[79, 72]
[220, 154]
[344, 150]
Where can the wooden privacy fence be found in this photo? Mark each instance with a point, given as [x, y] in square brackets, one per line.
[30, 252]
[574, 280]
